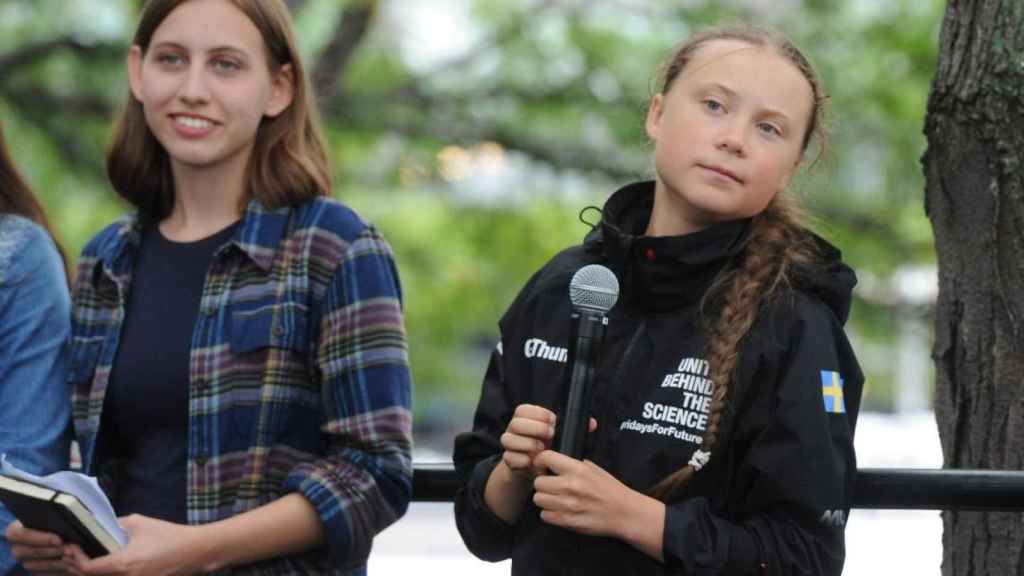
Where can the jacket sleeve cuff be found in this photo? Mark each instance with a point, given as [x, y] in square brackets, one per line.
[696, 540]
[353, 505]
[486, 535]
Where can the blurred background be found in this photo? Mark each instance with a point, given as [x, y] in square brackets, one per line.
[473, 132]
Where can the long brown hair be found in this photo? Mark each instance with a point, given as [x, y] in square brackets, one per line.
[17, 198]
[288, 164]
[779, 241]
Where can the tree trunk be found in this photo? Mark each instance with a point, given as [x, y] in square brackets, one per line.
[974, 196]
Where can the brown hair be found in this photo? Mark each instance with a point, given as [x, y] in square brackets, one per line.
[779, 241]
[288, 164]
[17, 198]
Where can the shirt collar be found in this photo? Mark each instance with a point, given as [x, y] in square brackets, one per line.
[113, 249]
[258, 236]
[661, 273]
[261, 231]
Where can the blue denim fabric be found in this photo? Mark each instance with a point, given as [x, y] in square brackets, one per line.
[35, 320]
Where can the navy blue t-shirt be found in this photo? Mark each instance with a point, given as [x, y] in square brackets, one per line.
[145, 413]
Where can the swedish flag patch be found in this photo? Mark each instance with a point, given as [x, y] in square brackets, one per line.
[832, 392]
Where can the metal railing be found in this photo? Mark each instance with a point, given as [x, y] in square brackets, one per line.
[876, 488]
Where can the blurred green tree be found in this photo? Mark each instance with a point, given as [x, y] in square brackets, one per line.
[474, 131]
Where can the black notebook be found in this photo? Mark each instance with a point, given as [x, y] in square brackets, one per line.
[42, 508]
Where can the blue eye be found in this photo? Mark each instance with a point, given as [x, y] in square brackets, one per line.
[769, 129]
[169, 59]
[713, 105]
[225, 65]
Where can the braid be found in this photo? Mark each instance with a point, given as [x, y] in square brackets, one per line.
[777, 243]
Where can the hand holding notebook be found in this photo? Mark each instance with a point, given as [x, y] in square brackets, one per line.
[69, 504]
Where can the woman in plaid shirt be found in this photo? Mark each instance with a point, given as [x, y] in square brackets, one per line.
[239, 361]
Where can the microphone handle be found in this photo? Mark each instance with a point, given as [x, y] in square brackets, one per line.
[574, 420]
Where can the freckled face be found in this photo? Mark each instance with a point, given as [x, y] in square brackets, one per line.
[728, 135]
[205, 84]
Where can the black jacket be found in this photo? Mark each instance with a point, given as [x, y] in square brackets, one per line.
[775, 495]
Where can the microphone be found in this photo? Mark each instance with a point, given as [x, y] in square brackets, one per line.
[593, 291]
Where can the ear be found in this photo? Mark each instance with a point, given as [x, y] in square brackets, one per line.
[134, 65]
[282, 91]
[654, 116]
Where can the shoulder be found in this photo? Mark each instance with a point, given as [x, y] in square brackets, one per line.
[800, 332]
[329, 231]
[797, 315]
[103, 245]
[806, 307]
[334, 242]
[15, 233]
[109, 237]
[25, 247]
[330, 217]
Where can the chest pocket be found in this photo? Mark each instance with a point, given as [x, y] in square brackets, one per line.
[281, 326]
[272, 344]
[276, 394]
[271, 347]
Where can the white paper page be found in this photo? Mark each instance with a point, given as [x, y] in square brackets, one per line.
[83, 487]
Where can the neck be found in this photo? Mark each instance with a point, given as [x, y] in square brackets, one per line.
[672, 215]
[206, 200]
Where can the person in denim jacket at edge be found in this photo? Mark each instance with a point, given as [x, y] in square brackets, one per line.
[35, 319]
[238, 354]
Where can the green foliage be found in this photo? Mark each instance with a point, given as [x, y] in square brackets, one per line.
[558, 88]
[460, 266]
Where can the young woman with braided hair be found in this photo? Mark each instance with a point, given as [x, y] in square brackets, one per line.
[725, 397]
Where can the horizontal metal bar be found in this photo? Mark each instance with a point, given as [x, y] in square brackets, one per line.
[876, 488]
[434, 482]
[939, 489]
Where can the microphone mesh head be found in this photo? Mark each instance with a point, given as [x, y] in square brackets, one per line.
[594, 287]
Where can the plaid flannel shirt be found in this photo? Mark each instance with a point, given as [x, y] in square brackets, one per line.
[299, 377]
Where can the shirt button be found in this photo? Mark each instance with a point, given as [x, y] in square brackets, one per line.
[210, 311]
[278, 330]
[201, 461]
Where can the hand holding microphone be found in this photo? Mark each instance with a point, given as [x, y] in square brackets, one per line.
[593, 291]
[529, 433]
[533, 429]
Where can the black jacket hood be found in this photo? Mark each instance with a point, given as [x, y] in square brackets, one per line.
[667, 272]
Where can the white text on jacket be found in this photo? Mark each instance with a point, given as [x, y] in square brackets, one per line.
[537, 348]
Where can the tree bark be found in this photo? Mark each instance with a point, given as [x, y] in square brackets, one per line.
[974, 196]
[349, 32]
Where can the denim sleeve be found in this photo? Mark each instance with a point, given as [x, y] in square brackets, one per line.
[35, 405]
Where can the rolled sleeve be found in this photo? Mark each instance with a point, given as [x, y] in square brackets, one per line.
[364, 482]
